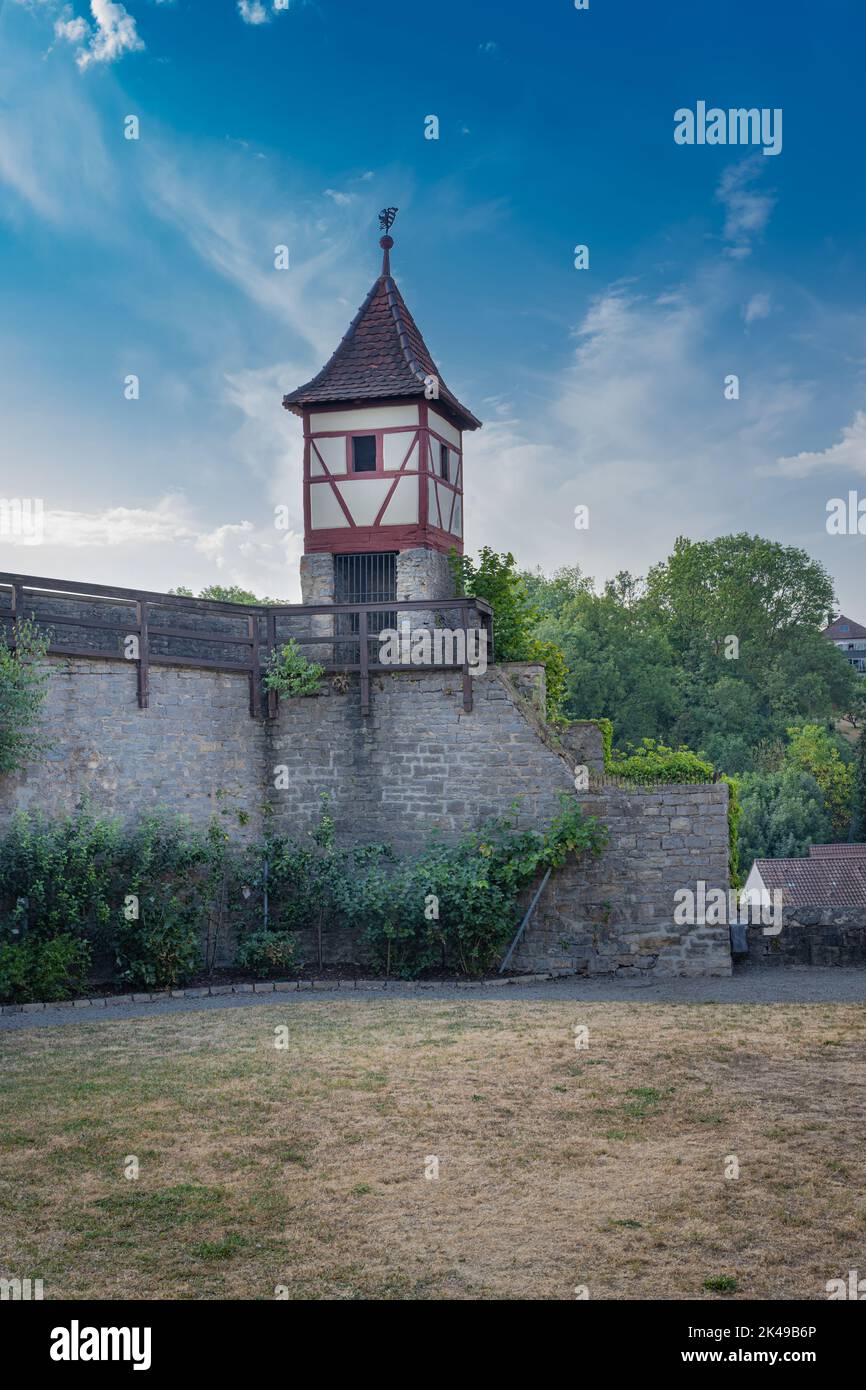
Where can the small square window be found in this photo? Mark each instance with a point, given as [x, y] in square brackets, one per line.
[443, 463]
[364, 453]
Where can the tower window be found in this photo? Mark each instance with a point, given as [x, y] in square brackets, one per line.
[364, 453]
[443, 462]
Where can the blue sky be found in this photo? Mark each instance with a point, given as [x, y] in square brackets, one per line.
[602, 387]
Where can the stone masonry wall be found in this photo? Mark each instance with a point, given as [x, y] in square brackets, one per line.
[811, 936]
[616, 915]
[194, 750]
[416, 764]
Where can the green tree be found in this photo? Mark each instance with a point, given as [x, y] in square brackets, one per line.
[858, 808]
[822, 754]
[227, 593]
[618, 668]
[783, 813]
[495, 577]
[741, 585]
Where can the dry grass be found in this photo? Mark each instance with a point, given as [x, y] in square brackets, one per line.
[304, 1167]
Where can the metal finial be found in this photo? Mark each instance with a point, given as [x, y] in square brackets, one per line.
[386, 218]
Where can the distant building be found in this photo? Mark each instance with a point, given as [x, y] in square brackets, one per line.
[832, 876]
[850, 638]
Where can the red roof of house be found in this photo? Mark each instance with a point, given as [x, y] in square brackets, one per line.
[832, 631]
[845, 851]
[822, 881]
[382, 356]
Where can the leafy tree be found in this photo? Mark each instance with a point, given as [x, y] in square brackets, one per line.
[617, 668]
[782, 814]
[822, 754]
[741, 585]
[227, 593]
[858, 817]
[496, 578]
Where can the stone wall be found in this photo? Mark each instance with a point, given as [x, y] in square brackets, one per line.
[811, 936]
[418, 763]
[616, 915]
[194, 750]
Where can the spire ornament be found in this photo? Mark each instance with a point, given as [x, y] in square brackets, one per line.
[386, 222]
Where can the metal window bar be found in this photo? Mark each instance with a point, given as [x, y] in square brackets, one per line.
[364, 578]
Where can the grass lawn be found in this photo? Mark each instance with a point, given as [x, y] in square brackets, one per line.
[304, 1166]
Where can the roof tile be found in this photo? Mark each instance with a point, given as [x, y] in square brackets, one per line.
[382, 355]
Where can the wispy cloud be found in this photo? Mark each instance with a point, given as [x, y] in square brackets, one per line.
[758, 307]
[255, 12]
[747, 210]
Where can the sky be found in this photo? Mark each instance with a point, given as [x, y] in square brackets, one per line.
[263, 124]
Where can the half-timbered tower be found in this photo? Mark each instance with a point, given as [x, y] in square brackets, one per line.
[383, 460]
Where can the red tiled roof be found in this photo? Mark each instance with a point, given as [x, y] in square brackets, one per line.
[383, 355]
[817, 882]
[845, 851]
[832, 631]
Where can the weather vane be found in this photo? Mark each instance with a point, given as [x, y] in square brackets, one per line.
[386, 218]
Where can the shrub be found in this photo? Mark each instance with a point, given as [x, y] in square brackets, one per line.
[22, 691]
[162, 948]
[654, 762]
[456, 906]
[266, 952]
[33, 970]
[59, 876]
[290, 673]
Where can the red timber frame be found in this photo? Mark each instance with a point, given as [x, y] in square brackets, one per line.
[428, 531]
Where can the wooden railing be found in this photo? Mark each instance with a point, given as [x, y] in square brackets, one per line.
[139, 636]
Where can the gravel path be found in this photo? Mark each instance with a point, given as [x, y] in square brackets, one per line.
[781, 986]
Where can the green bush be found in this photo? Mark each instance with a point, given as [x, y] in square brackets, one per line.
[290, 673]
[59, 876]
[34, 970]
[652, 762]
[151, 897]
[266, 952]
[22, 692]
[162, 948]
[456, 907]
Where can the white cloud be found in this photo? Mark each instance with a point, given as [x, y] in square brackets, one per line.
[758, 307]
[165, 545]
[114, 35]
[747, 211]
[72, 28]
[252, 12]
[255, 12]
[847, 456]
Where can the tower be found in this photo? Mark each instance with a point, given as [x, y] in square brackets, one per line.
[383, 460]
